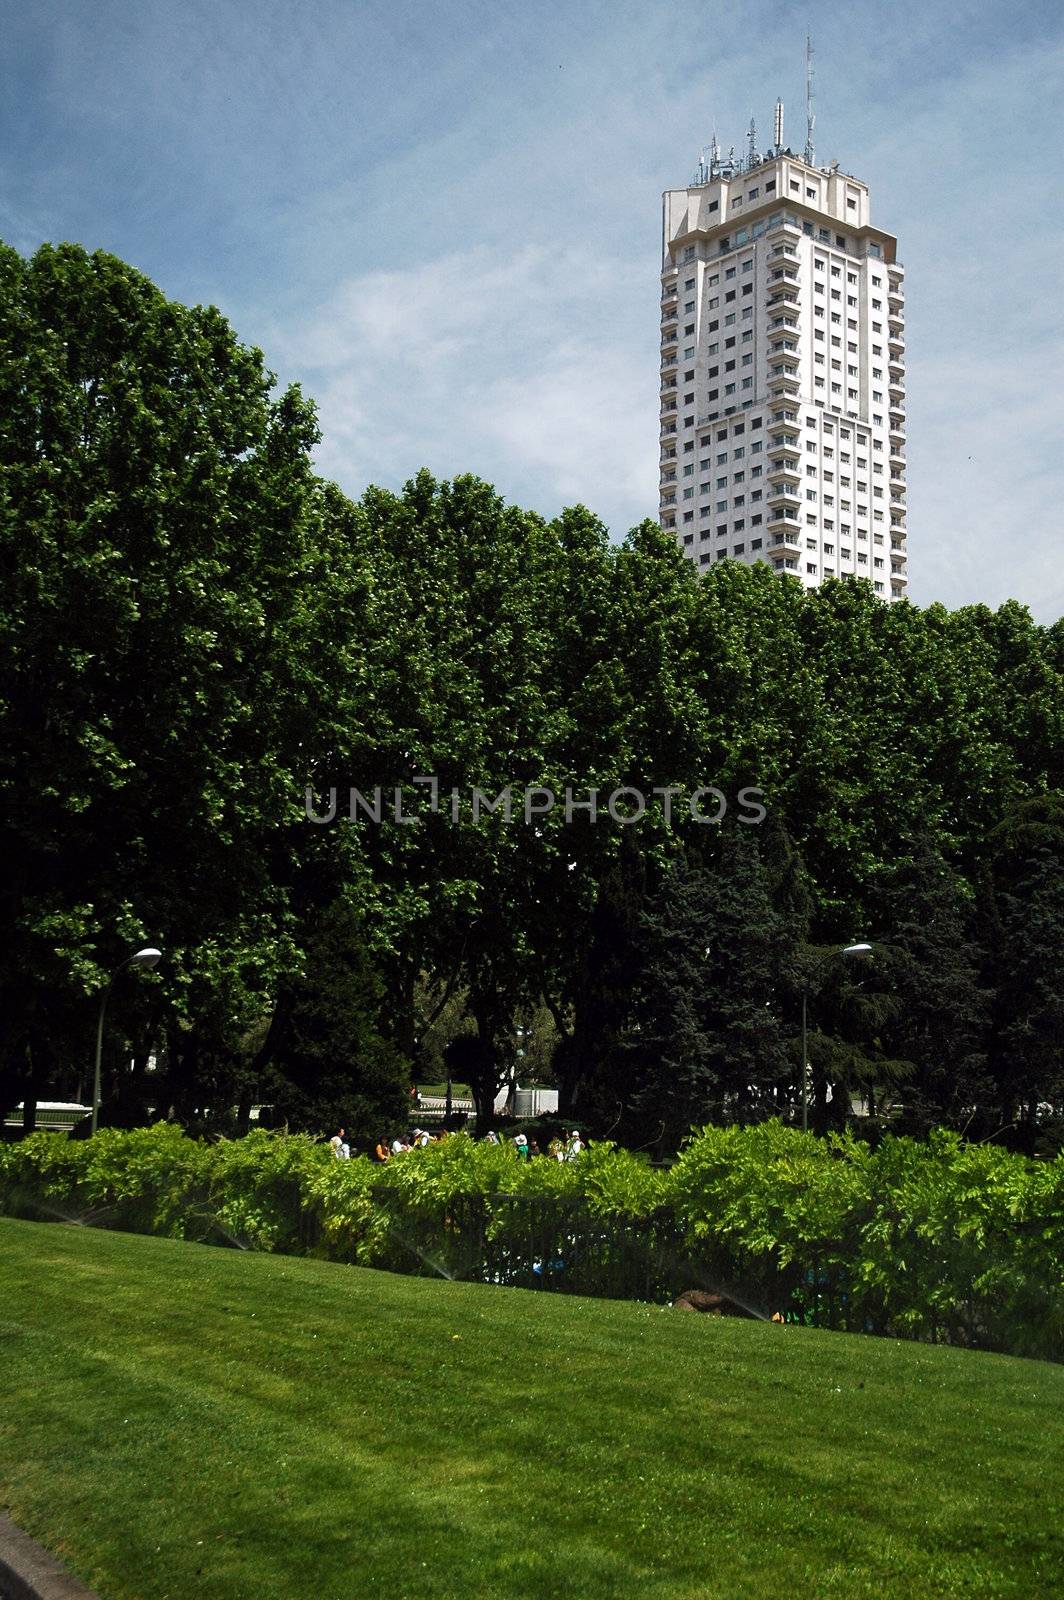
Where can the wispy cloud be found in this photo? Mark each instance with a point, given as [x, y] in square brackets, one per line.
[478, 362]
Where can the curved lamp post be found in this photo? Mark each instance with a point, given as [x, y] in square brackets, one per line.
[148, 957]
[856, 952]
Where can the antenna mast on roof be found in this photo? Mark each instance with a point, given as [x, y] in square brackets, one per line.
[810, 119]
[778, 130]
[752, 154]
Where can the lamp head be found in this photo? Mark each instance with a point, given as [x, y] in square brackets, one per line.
[148, 957]
[862, 951]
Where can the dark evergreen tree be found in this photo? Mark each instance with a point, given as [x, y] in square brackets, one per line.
[703, 1040]
[1028, 1036]
[930, 963]
[333, 1064]
[587, 1063]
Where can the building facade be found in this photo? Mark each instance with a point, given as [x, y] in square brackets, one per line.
[783, 373]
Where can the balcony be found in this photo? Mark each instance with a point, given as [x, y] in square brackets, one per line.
[785, 425]
[783, 382]
[778, 324]
[784, 471]
[785, 299]
[786, 516]
[897, 391]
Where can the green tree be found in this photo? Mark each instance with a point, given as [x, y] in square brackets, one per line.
[333, 1064]
[703, 1039]
[161, 546]
[931, 964]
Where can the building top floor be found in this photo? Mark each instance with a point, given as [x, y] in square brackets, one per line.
[722, 204]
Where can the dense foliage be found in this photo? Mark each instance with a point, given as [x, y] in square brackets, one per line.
[937, 1240]
[195, 629]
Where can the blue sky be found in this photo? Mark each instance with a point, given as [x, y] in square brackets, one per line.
[444, 220]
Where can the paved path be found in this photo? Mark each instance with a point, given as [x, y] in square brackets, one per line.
[29, 1572]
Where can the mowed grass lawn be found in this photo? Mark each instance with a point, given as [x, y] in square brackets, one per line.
[182, 1421]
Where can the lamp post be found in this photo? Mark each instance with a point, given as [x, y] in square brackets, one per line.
[148, 957]
[857, 952]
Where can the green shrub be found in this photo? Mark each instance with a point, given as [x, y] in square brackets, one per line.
[936, 1241]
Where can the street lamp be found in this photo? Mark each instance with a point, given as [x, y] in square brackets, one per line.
[148, 957]
[856, 952]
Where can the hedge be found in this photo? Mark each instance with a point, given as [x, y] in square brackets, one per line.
[939, 1241]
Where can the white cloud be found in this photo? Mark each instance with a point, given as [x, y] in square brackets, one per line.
[498, 365]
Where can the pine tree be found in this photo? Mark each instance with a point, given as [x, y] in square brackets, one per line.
[1028, 1040]
[703, 1040]
[590, 1070]
[930, 962]
[333, 1064]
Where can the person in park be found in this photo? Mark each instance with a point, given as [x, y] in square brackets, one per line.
[574, 1146]
[381, 1150]
[521, 1146]
[340, 1150]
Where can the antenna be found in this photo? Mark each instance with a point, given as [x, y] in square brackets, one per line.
[714, 152]
[752, 156]
[810, 118]
[778, 132]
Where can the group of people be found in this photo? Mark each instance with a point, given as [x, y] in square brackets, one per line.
[563, 1149]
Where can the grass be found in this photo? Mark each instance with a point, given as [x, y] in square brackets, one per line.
[182, 1421]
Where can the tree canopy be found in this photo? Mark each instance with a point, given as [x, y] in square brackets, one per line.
[197, 631]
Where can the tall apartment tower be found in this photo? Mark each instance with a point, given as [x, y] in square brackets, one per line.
[783, 371]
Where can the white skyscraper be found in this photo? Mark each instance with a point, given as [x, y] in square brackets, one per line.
[783, 370]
